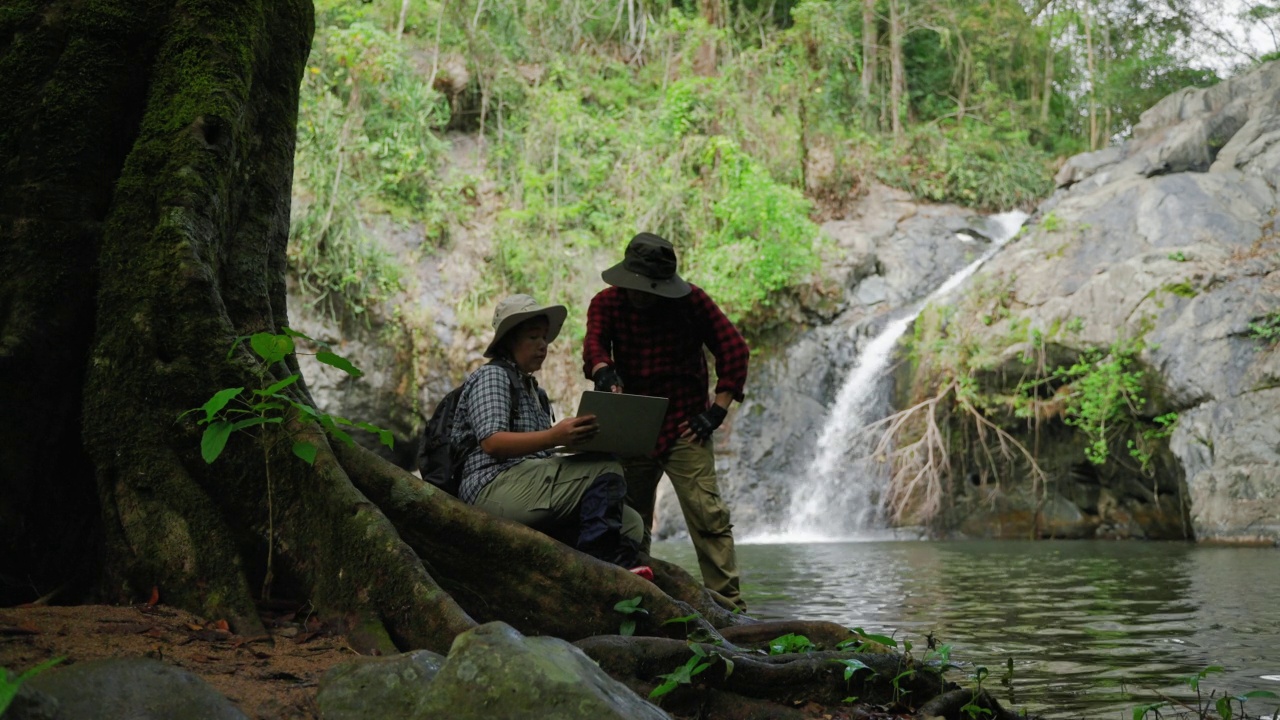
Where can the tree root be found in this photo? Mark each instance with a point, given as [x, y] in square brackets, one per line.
[788, 680]
[500, 570]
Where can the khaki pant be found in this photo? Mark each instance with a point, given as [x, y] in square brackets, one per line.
[545, 493]
[692, 469]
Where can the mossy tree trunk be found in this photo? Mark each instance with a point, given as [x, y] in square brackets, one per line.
[146, 158]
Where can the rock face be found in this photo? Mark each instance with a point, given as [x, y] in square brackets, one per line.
[492, 672]
[1165, 245]
[889, 253]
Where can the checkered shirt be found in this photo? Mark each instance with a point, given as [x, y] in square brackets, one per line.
[659, 351]
[484, 409]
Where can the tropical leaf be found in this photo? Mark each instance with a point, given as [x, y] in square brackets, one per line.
[219, 401]
[306, 451]
[271, 347]
[339, 362]
[214, 440]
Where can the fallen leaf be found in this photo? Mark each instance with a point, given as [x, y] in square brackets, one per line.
[222, 625]
[155, 596]
[194, 627]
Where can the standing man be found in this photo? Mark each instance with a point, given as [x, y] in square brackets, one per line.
[646, 333]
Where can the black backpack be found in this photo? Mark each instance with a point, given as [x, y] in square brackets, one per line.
[440, 459]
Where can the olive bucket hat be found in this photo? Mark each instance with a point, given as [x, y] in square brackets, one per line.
[515, 309]
[649, 265]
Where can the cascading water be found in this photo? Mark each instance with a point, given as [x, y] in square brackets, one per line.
[837, 496]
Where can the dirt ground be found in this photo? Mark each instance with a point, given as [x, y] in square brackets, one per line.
[271, 676]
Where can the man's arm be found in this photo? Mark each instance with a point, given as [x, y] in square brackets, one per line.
[597, 346]
[727, 346]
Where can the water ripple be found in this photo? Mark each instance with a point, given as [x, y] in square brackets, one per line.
[1094, 629]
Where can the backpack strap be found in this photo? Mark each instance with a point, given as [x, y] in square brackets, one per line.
[517, 387]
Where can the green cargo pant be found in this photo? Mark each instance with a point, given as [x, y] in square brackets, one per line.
[692, 469]
[544, 493]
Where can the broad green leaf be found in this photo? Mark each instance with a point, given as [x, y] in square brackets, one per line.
[728, 667]
[626, 607]
[219, 401]
[234, 344]
[271, 347]
[306, 451]
[883, 640]
[663, 689]
[327, 422]
[295, 334]
[1224, 708]
[339, 362]
[307, 412]
[277, 387]
[628, 628]
[214, 440]
[384, 436]
[1257, 694]
[251, 422]
[264, 406]
[852, 666]
[683, 619]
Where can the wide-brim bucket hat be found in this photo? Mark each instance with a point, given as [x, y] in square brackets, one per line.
[515, 309]
[649, 265]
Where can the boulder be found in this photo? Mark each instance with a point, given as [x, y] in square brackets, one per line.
[492, 672]
[379, 687]
[1167, 241]
[120, 689]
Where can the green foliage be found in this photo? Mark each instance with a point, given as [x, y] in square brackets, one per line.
[1267, 328]
[697, 663]
[790, 643]
[971, 164]
[233, 409]
[367, 142]
[10, 683]
[629, 608]
[1225, 706]
[1106, 393]
[862, 638]
[1178, 256]
[1182, 289]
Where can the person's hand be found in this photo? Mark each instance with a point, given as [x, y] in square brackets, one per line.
[607, 380]
[575, 430]
[700, 427]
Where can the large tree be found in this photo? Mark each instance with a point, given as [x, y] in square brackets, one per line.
[146, 155]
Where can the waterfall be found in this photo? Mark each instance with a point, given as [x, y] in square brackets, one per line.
[837, 496]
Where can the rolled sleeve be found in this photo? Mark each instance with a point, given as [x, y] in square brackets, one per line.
[597, 347]
[727, 346]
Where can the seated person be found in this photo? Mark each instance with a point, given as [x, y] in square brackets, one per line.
[514, 473]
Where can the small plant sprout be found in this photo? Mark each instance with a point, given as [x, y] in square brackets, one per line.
[232, 409]
[695, 665]
[972, 709]
[10, 683]
[852, 666]
[698, 634]
[630, 609]
[860, 639]
[1224, 703]
[790, 643]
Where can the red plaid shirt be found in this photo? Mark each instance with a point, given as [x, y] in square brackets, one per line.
[658, 351]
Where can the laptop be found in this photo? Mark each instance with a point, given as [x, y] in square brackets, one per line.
[629, 424]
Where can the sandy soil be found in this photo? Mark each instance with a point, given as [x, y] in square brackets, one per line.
[271, 676]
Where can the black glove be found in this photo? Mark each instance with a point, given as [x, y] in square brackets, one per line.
[606, 377]
[703, 425]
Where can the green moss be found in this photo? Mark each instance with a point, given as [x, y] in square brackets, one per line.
[1183, 289]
